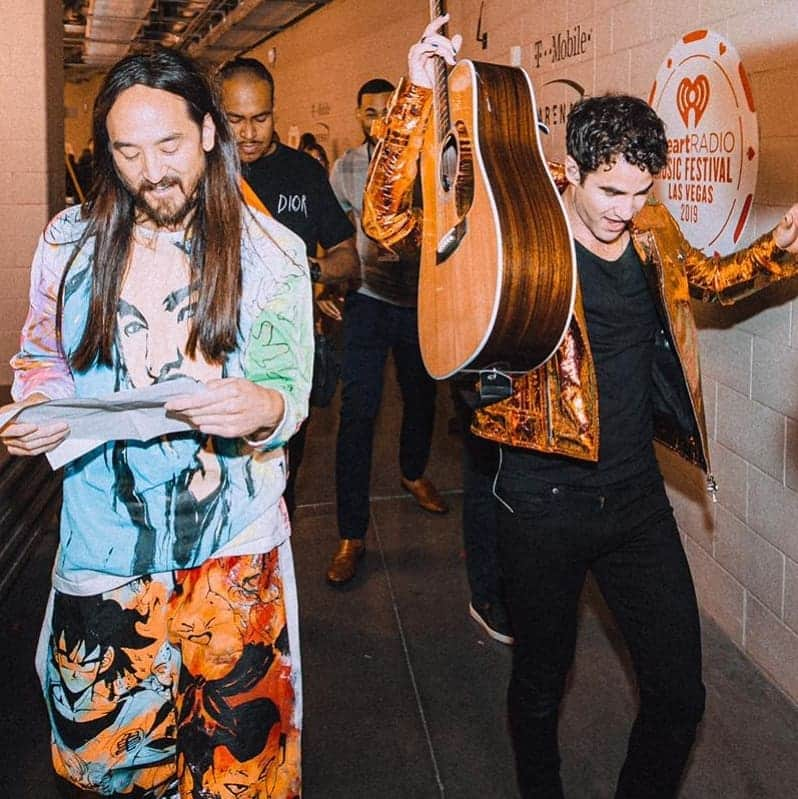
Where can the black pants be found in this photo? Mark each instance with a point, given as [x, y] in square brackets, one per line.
[372, 329]
[480, 510]
[627, 536]
[296, 453]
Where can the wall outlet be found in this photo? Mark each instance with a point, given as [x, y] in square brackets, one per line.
[515, 55]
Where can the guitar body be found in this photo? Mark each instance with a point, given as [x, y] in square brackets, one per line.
[498, 270]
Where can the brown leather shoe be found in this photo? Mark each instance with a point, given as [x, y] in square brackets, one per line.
[425, 494]
[343, 566]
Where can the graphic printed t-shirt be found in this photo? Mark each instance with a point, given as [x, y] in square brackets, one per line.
[295, 189]
[143, 507]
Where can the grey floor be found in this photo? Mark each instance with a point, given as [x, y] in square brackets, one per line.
[404, 697]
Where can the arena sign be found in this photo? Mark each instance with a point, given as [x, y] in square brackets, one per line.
[555, 99]
[703, 95]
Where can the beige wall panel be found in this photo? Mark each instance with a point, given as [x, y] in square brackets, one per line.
[31, 143]
[772, 644]
[791, 595]
[731, 472]
[752, 560]
[719, 594]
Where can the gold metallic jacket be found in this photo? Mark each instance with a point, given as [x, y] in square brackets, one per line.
[554, 408]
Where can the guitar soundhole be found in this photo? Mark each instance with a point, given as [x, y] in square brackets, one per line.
[464, 186]
[448, 162]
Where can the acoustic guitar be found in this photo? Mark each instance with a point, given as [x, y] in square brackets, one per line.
[497, 279]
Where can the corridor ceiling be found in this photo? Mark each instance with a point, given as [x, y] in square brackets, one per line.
[98, 33]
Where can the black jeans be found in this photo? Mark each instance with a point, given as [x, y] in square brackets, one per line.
[296, 452]
[372, 329]
[480, 510]
[627, 536]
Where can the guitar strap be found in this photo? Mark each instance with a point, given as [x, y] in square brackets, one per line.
[252, 199]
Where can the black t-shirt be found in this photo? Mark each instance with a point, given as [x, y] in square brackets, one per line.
[622, 322]
[296, 190]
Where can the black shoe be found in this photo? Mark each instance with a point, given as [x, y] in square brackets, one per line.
[493, 619]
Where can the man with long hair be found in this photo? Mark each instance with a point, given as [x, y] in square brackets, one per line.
[165, 273]
[577, 476]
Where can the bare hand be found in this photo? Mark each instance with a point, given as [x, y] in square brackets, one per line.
[21, 438]
[421, 58]
[785, 234]
[231, 407]
[331, 306]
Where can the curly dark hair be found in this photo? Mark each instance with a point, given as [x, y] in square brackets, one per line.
[599, 129]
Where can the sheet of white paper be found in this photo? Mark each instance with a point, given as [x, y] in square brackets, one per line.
[137, 414]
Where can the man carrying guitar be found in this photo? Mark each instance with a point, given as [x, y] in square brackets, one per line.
[578, 482]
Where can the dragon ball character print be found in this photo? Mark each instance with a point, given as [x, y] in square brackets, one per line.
[178, 685]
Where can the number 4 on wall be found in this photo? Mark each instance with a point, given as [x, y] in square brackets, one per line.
[482, 36]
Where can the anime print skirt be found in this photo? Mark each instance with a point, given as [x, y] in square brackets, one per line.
[184, 685]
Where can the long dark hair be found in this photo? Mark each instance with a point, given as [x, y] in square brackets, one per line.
[214, 231]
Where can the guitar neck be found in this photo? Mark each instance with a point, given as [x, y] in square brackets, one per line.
[440, 91]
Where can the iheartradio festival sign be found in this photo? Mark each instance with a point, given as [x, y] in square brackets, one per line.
[702, 94]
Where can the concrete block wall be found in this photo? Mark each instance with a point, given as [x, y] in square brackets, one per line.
[743, 549]
[31, 151]
[322, 61]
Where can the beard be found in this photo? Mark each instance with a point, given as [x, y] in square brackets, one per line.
[166, 213]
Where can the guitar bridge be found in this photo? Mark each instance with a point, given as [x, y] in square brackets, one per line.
[450, 241]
